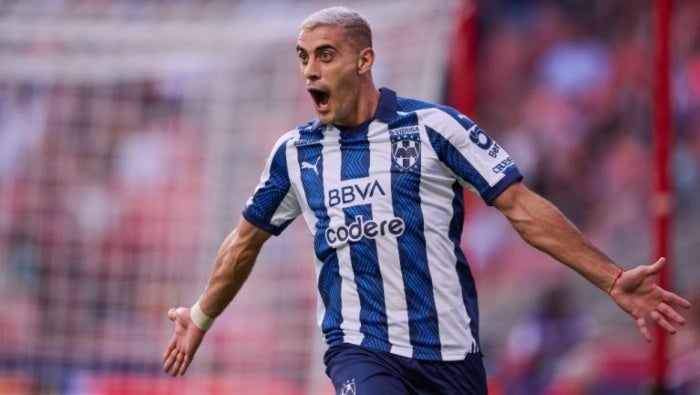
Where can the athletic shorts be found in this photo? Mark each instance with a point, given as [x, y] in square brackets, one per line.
[356, 370]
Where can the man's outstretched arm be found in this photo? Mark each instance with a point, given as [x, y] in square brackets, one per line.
[544, 227]
[233, 263]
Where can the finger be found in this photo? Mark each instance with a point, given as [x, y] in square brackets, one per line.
[179, 362]
[172, 314]
[670, 313]
[662, 322]
[169, 349]
[174, 364]
[673, 299]
[173, 371]
[173, 367]
[185, 364]
[655, 268]
[643, 330]
[171, 364]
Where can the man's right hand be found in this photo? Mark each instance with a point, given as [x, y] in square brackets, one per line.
[186, 339]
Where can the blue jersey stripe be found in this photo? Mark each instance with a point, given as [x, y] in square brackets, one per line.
[329, 280]
[270, 196]
[405, 186]
[449, 155]
[365, 266]
[466, 280]
[423, 327]
[355, 157]
[354, 150]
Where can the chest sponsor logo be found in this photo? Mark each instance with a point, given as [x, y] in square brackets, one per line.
[360, 228]
[354, 193]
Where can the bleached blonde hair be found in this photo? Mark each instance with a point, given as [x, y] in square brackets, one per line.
[356, 26]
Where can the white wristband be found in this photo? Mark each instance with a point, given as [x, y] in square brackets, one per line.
[201, 320]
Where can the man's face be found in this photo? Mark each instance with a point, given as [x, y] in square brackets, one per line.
[329, 66]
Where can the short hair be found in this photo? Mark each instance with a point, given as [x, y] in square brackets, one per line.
[357, 28]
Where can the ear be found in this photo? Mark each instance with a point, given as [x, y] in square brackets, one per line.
[365, 60]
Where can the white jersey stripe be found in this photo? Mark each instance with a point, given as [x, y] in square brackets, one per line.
[394, 295]
[350, 307]
[453, 321]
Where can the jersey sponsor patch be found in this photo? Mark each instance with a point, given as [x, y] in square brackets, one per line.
[354, 192]
[361, 228]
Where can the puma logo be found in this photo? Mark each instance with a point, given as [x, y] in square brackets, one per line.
[312, 166]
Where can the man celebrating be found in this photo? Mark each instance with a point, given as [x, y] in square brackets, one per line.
[379, 180]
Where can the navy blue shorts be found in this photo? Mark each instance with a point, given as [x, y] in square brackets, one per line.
[355, 370]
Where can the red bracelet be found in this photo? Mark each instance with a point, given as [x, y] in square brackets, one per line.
[617, 276]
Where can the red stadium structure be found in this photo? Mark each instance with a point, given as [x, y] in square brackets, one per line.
[663, 193]
[461, 95]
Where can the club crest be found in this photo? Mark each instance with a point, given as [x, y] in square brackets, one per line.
[405, 152]
[348, 388]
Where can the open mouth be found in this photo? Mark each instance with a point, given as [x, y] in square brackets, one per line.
[321, 98]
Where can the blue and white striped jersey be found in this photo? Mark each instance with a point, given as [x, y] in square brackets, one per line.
[384, 203]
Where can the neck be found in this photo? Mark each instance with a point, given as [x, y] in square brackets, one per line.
[366, 105]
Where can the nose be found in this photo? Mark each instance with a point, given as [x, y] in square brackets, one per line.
[311, 71]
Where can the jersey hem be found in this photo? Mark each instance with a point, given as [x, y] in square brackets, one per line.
[407, 352]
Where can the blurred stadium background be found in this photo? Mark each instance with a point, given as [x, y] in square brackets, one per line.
[132, 132]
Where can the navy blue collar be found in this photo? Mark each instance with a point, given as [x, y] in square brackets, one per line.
[386, 110]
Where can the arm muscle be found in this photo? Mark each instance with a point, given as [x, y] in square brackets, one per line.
[234, 262]
[544, 227]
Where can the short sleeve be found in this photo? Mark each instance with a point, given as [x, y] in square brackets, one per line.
[273, 205]
[478, 161]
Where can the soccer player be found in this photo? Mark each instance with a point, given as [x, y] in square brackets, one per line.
[379, 179]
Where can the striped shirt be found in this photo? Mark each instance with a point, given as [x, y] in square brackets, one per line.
[384, 204]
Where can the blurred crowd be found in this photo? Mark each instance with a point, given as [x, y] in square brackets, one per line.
[96, 185]
[566, 88]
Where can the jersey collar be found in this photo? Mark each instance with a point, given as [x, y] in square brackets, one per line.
[386, 110]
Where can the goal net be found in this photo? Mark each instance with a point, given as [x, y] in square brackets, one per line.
[131, 135]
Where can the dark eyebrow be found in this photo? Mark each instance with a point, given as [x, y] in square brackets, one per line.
[318, 49]
[324, 47]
